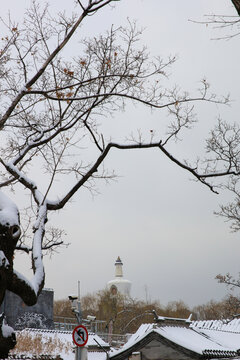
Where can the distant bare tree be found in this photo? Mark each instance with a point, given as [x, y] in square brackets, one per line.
[123, 313]
[231, 305]
[224, 141]
[229, 280]
[224, 310]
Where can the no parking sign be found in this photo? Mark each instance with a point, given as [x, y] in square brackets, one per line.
[80, 335]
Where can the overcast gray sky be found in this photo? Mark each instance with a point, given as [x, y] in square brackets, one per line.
[159, 222]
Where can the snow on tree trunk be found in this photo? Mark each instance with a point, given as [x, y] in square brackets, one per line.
[11, 279]
[7, 338]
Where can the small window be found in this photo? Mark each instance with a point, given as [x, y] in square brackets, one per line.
[135, 356]
[113, 290]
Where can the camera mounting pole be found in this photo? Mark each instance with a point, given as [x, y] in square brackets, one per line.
[76, 309]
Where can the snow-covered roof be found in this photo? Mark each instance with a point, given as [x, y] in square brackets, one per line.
[35, 342]
[222, 331]
[32, 342]
[161, 319]
[223, 325]
[183, 338]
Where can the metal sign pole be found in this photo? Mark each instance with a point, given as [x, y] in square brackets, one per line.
[79, 316]
[80, 333]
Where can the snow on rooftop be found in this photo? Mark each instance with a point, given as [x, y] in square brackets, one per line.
[190, 339]
[223, 325]
[186, 337]
[35, 342]
[226, 339]
[142, 331]
[222, 331]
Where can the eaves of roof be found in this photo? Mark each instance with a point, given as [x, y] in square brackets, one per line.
[154, 335]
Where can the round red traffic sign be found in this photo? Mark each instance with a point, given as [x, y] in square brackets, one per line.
[80, 335]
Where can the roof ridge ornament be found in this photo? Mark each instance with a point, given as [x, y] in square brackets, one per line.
[166, 321]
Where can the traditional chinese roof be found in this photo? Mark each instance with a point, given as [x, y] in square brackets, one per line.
[221, 331]
[222, 325]
[179, 342]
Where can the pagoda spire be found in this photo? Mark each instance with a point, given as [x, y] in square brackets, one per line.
[118, 267]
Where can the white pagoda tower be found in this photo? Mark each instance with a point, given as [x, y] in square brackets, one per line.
[119, 284]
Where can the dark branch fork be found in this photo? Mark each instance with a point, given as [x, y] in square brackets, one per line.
[61, 203]
[131, 97]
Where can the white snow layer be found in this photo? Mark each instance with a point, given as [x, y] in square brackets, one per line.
[8, 211]
[7, 330]
[55, 343]
[187, 338]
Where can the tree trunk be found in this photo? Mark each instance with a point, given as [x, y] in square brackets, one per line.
[236, 4]
[7, 338]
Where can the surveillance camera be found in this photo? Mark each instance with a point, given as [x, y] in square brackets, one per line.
[91, 318]
[72, 297]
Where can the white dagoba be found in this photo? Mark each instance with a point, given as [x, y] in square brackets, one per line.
[119, 284]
